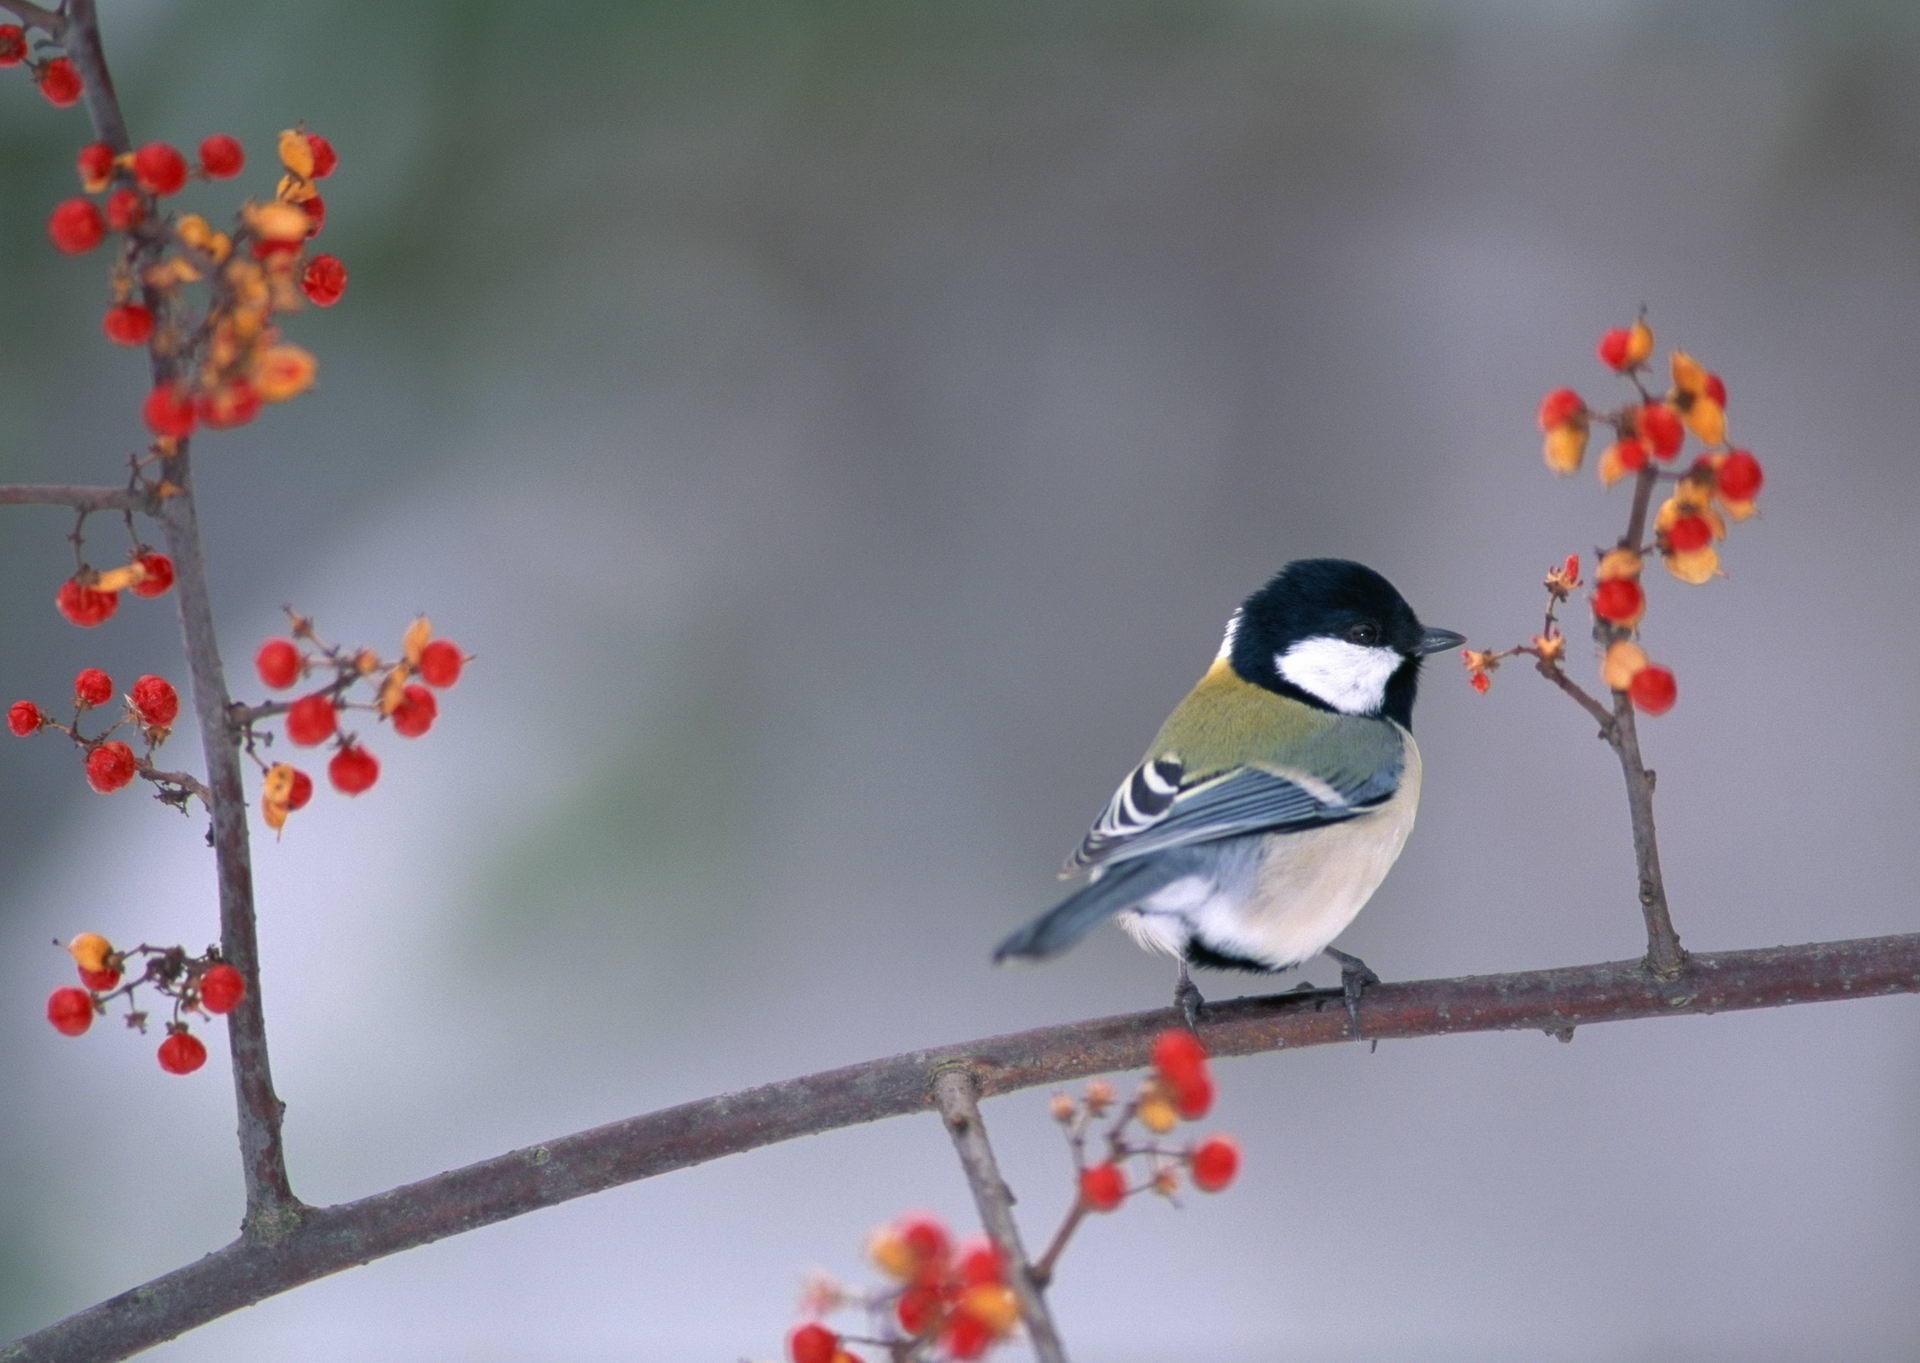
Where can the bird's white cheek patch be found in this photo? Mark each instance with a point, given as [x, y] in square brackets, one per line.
[1350, 677]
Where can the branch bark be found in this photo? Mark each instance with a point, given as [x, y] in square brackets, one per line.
[329, 1239]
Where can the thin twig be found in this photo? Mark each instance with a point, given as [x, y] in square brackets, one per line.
[50, 22]
[80, 498]
[330, 1239]
[955, 1094]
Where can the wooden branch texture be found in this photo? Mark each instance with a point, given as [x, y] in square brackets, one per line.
[328, 1239]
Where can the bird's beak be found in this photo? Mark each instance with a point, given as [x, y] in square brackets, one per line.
[1438, 641]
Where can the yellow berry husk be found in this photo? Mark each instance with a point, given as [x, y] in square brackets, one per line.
[1565, 446]
[294, 190]
[90, 951]
[1610, 469]
[1639, 342]
[1617, 563]
[1549, 647]
[1061, 1108]
[119, 579]
[296, 153]
[1706, 420]
[993, 1305]
[277, 221]
[891, 1254]
[1738, 511]
[282, 371]
[415, 640]
[193, 231]
[1696, 565]
[392, 689]
[1622, 660]
[1099, 1094]
[1157, 1113]
[1689, 376]
[1166, 1182]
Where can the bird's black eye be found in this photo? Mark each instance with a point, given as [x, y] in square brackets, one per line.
[1366, 633]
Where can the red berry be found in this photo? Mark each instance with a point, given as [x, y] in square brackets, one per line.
[301, 791]
[353, 770]
[221, 157]
[1618, 599]
[1215, 1161]
[221, 988]
[23, 718]
[415, 713]
[127, 324]
[1633, 454]
[110, 766]
[1102, 1186]
[919, 1306]
[159, 575]
[233, 403]
[1194, 1098]
[324, 281]
[99, 981]
[85, 606]
[1178, 1055]
[1717, 390]
[440, 663]
[978, 1262]
[70, 1010]
[311, 720]
[925, 1237]
[1739, 476]
[965, 1336]
[13, 44]
[126, 209]
[59, 82]
[278, 663]
[1653, 690]
[155, 701]
[182, 1053]
[316, 211]
[159, 168]
[1614, 349]
[1689, 533]
[75, 226]
[1659, 427]
[324, 156]
[1559, 407]
[91, 687]
[812, 1343]
[95, 166]
[168, 411]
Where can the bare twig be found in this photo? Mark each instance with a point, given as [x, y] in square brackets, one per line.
[50, 22]
[956, 1095]
[82, 499]
[329, 1239]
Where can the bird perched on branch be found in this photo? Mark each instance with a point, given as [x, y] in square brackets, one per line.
[1276, 796]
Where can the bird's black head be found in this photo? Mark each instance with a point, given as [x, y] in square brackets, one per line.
[1335, 635]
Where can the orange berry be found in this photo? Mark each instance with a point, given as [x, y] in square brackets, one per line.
[1215, 1162]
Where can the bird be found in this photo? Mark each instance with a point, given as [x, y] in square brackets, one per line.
[1276, 796]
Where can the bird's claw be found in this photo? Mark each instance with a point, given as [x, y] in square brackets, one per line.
[1355, 975]
[1186, 998]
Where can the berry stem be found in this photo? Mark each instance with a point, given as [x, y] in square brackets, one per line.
[956, 1094]
[81, 499]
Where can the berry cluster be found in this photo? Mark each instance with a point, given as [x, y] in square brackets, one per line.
[60, 84]
[1719, 486]
[225, 349]
[148, 711]
[90, 596]
[202, 984]
[953, 1302]
[396, 695]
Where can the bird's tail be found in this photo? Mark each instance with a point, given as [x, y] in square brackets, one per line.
[1120, 888]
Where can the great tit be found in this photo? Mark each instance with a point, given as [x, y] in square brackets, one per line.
[1276, 796]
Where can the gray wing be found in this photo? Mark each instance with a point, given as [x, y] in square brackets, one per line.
[1154, 809]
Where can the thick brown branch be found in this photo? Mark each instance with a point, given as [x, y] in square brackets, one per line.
[329, 1239]
[956, 1094]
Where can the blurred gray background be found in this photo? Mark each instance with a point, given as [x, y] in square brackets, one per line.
[841, 431]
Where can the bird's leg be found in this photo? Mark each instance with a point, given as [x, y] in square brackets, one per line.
[1355, 975]
[1186, 997]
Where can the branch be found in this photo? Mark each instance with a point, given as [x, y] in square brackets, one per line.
[955, 1093]
[84, 499]
[49, 22]
[329, 1239]
[271, 1205]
